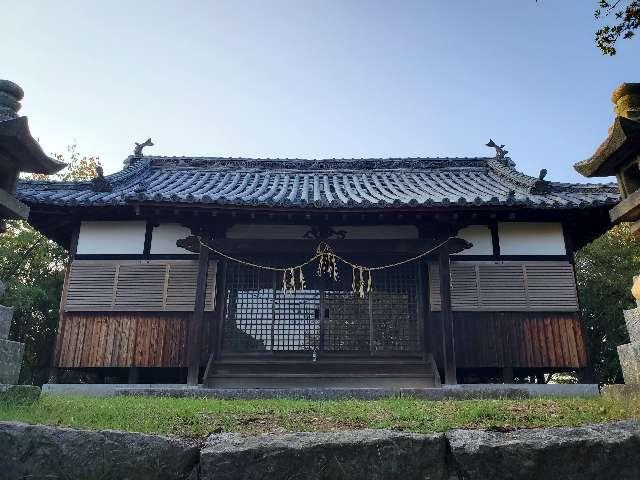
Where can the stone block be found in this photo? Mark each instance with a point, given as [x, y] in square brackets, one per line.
[632, 319]
[10, 361]
[20, 395]
[6, 315]
[357, 455]
[621, 391]
[42, 452]
[604, 452]
[629, 356]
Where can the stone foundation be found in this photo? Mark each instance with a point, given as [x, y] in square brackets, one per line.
[602, 452]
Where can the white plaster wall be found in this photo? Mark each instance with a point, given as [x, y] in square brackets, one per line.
[480, 236]
[354, 232]
[164, 236]
[97, 238]
[524, 238]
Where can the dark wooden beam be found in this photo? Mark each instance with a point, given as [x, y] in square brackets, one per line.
[448, 341]
[495, 238]
[195, 330]
[240, 246]
[148, 235]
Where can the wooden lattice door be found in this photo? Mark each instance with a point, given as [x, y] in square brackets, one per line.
[327, 316]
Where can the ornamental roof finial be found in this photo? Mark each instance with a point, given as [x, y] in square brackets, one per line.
[137, 151]
[501, 153]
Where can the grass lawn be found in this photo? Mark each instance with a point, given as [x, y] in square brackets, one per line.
[189, 417]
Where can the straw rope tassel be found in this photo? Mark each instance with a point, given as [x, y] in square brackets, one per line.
[327, 263]
[353, 280]
[302, 283]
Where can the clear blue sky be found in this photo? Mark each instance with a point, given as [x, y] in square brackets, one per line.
[298, 78]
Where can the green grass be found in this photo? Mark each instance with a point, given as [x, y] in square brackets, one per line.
[189, 417]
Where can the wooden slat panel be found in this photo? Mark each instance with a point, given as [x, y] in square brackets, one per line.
[123, 340]
[573, 350]
[581, 345]
[518, 339]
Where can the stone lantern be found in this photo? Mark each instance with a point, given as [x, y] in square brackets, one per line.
[19, 152]
[619, 155]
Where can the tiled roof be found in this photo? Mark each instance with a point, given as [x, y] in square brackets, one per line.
[332, 183]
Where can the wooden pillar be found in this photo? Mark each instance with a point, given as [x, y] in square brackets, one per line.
[448, 344]
[423, 309]
[221, 307]
[54, 371]
[195, 330]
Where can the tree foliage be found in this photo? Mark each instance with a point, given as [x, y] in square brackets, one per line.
[32, 268]
[626, 20]
[605, 270]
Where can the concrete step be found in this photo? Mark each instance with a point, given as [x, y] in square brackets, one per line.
[319, 381]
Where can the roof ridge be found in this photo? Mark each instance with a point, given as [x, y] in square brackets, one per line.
[299, 159]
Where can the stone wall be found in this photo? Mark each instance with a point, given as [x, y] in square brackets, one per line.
[629, 354]
[10, 352]
[609, 451]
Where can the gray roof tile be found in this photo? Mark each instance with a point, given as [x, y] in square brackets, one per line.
[369, 183]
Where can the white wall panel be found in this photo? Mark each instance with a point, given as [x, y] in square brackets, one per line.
[480, 236]
[98, 238]
[163, 239]
[523, 238]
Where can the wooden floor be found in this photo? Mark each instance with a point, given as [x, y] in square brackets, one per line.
[335, 372]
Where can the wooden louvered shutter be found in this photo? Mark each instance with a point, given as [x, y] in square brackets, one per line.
[210, 293]
[90, 286]
[502, 287]
[137, 285]
[181, 286]
[434, 287]
[507, 286]
[465, 287]
[551, 286]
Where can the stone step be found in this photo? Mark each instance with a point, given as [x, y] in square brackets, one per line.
[319, 381]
